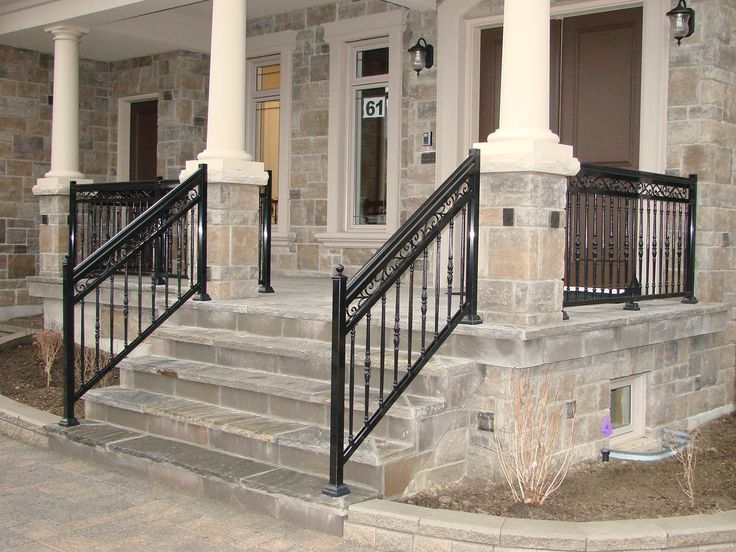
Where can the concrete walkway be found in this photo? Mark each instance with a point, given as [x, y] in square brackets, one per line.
[50, 502]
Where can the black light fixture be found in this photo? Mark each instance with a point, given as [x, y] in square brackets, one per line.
[422, 55]
[683, 21]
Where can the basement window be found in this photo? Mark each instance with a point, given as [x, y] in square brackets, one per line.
[627, 407]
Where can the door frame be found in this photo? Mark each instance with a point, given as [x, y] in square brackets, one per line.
[458, 83]
[123, 166]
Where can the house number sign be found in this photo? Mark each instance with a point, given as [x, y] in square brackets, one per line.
[374, 108]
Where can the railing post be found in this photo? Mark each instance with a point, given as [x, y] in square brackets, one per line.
[158, 255]
[67, 271]
[690, 298]
[202, 238]
[471, 273]
[336, 487]
[264, 257]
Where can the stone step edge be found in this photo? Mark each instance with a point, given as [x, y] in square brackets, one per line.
[246, 341]
[101, 396]
[412, 527]
[318, 515]
[148, 365]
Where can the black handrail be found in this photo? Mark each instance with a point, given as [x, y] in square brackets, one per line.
[179, 221]
[408, 251]
[264, 237]
[630, 237]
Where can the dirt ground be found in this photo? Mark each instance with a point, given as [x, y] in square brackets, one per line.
[595, 491]
[613, 490]
[22, 378]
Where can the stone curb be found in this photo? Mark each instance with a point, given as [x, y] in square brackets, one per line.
[25, 423]
[403, 527]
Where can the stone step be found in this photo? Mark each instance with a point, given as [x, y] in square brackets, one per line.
[267, 393]
[296, 357]
[283, 493]
[378, 464]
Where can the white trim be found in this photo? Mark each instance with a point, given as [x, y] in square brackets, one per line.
[280, 44]
[123, 167]
[638, 406]
[458, 84]
[340, 36]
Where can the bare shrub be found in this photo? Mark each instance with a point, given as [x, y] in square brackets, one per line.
[527, 452]
[687, 456]
[92, 360]
[47, 346]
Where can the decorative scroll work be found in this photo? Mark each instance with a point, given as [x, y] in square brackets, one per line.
[413, 246]
[619, 186]
[138, 243]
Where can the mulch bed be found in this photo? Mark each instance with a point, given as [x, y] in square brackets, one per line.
[612, 490]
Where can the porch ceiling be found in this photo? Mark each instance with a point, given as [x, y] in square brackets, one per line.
[124, 29]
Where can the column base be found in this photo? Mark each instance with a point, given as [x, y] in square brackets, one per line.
[527, 155]
[231, 171]
[57, 185]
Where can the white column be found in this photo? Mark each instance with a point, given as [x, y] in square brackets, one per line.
[65, 118]
[523, 141]
[227, 93]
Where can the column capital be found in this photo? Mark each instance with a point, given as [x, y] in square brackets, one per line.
[66, 32]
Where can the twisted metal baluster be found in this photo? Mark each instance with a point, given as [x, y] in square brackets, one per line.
[595, 243]
[351, 390]
[367, 365]
[450, 269]
[577, 246]
[425, 258]
[611, 245]
[410, 310]
[667, 246]
[397, 332]
[437, 263]
[383, 349]
[463, 245]
[679, 247]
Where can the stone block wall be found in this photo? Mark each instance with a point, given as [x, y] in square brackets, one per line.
[180, 81]
[684, 355]
[309, 128]
[26, 88]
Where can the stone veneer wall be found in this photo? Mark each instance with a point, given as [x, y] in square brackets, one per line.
[180, 80]
[683, 353]
[25, 152]
[702, 140]
[309, 127]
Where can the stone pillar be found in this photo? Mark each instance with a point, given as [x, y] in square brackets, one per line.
[523, 182]
[53, 189]
[234, 178]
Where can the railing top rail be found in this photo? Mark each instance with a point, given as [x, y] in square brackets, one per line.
[625, 182]
[366, 275]
[109, 248]
[126, 186]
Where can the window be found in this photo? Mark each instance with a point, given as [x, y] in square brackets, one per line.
[269, 116]
[627, 407]
[364, 129]
[370, 90]
[267, 108]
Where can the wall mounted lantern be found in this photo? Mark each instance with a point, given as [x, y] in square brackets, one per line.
[422, 55]
[683, 21]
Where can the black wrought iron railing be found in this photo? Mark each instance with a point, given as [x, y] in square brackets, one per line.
[113, 300]
[399, 308]
[265, 217]
[630, 236]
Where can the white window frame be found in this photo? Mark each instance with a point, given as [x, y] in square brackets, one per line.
[343, 36]
[262, 50]
[638, 408]
[458, 83]
[362, 83]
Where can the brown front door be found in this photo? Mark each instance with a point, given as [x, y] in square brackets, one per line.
[143, 140]
[595, 81]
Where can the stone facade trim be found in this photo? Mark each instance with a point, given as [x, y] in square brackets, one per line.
[394, 526]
